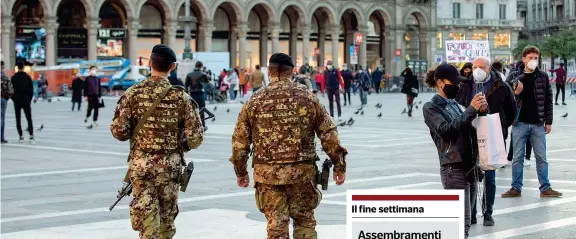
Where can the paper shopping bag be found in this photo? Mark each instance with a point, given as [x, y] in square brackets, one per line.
[491, 147]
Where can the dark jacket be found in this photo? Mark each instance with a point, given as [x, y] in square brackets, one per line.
[7, 88]
[195, 81]
[410, 81]
[500, 97]
[173, 78]
[23, 87]
[466, 65]
[377, 76]
[333, 79]
[347, 77]
[77, 88]
[92, 86]
[452, 132]
[542, 91]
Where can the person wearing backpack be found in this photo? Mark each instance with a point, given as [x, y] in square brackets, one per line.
[7, 92]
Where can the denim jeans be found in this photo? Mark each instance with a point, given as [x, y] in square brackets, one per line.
[363, 97]
[232, 92]
[522, 132]
[4, 105]
[455, 178]
[489, 194]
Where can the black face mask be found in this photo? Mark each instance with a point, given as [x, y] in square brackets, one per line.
[450, 90]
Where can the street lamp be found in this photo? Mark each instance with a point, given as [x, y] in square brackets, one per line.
[188, 20]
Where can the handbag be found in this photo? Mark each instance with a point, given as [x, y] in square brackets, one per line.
[101, 104]
[491, 147]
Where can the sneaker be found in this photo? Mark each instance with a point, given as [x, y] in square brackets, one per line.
[556, 103]
[32, 141]
[94, 123]
[488, 221]
[512, 193]
[86, 120]
[21, 139]
[563, 103]
[550, 193]
[473, 221]
[4, 141]
[526, 163]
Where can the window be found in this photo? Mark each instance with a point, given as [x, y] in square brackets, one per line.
[502, 40]
[456, 10]
[534, 17]
[502, 12]
[480, 36]
[479, 11]
[560, 12]
[456, 36]
[545, 14]
[439, 40]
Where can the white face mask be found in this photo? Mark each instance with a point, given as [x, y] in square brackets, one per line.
[360, 71]
[532, 64]
[329, 67]
[345, 68]
[479, 75]
[93, 72]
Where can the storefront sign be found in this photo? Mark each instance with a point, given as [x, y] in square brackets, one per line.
[110, 42]
[398, 52]
[111, 33]
[466, 50]
[316, 51]
[353, 54]
[359, 38]
[72, 43]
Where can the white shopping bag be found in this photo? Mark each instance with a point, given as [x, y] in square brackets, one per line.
[491, 147]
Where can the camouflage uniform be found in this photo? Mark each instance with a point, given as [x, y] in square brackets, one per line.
[156, 161]
[280, 122]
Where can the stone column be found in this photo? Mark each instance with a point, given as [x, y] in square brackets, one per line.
[275, 32]
[362, 51]
[263, 45]
[321, 45]
[92, 26]
[170, 29]
[389, 45]
[423, 46]
[335, 31]
[133, 26]
[242, 32]
[305, 31]
[293, 44]
[7, 25]
[349, 38]
[401, 64]
[51, 26]
[207, 28]
[233, 46]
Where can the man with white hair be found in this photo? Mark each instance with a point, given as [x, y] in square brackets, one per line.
[500, 99]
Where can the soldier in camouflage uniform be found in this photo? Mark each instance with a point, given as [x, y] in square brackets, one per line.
[155, 164]
[280, 121]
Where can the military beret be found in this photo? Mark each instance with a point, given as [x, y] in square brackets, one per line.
[164, 51]
[281, 59]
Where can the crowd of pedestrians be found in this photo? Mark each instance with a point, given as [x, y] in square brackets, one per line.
[523, 100]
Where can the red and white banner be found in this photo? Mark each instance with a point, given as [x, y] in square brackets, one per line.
[568, 80]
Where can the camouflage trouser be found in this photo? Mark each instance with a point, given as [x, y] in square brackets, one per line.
[155, 204]
[279, 203]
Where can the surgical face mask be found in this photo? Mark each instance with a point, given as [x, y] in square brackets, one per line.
[479, 75]
[93, 72]
[360, 71]
[450, 91]
[532, 64]
[329, 67]
[345, 68]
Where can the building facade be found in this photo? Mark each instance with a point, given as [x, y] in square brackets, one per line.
[546, 17]
[366, 32]
[491, 20]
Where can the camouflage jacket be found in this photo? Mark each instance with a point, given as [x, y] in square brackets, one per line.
[7, 87]
[279, 122]
[173, 127]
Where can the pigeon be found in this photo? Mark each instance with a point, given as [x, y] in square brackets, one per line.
[362, 113]
[419, 102]
[378, 105]
[228, 111]
[41, 127]
[213, 119]
[416, 106]
[342, 124]
[351, 121]
[358, 111]
[403, 112]
[35, 100]
[379, 115]
[58, 99]
[215, 108]
[565, 115]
